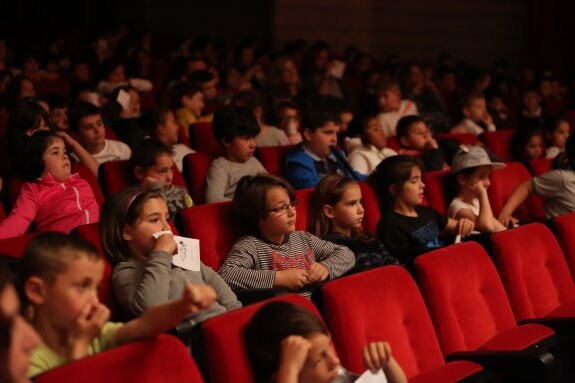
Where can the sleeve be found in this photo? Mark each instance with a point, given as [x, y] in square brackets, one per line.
[550, 184]
[358, 162]
[283, 139]
[454, 208]
[90, 202]
[141, 84]
[240, 267]
[22, 215]
[105, 87]
[226, 297]
[300, 175]
[138, 289]
[126, 152]
[216, 181]
[336, 258]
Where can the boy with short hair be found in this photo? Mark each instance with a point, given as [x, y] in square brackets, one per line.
[415, 138]
[235, 128]
[317, 157]
[86, 121]
[187, 103]
[476, 117]
[392, 107]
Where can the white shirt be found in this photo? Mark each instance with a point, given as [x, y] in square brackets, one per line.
[180, 151]
[113, 151]
[389, 120]
[365, 159]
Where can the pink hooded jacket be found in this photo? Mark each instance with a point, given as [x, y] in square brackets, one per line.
[51, 206]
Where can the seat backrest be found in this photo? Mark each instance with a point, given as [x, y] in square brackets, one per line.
[203, 140]
[271, 157]
[381, 304]
[216, 228]
[2, 213]
[503, 183]
[469, 139]
[565, 230]
[183, 137]
[196, 167]
[498, 143]
[372, 214]
[224, 342]
[15, 246]
[540, 166]
[533, 270]
[303, 212]
[161, 359]
[87, 175]
[435, 192]
[464, 295]
[111, 135]
[393, 143]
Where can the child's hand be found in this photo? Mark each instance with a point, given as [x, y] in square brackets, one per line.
[149, 181]
[507, 220]
[465, 227]
[317, 273]
[293, 354]
[166, 243]
[478, 189]
[291, 279]
[431, 144]
[198, 297]
[487, 118]
[376, 355]
[87, 327]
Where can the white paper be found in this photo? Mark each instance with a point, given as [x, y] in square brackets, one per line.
[124, 99]
[457, 239]
[337, 68]
[188, 255]
[94, 98]
[370, 377]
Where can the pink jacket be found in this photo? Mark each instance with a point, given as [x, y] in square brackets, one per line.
[51, 206]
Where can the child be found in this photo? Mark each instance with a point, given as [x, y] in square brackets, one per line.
[531, 111]
[471, 169]
[86, 121]
[476, 117]
[152, 162]
[144, 275]
[365, 157]
[526, 144]
[160, 124]
[557, 133]
[187, 102]
[406, 227]
[287, 117]
[336, 216]
[58, 111]
[207, 82]
[114, 75]
[51, 198]
[273, 254]
[317, 156]
[287, 343]
[61, 275]
[415, 138]
[235, 128]
[392, 107]
[557, 187]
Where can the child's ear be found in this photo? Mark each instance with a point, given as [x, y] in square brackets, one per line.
[139, 173]
[35, 290]
[307, 134]
[393, 190]
[466, 112]
[460, 179]
[127, 233]
[404, 142]
[328, 211]
[258, 111]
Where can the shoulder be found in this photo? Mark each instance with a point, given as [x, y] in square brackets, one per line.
[117, 146]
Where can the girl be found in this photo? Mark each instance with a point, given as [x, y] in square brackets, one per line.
[365, 157]
[287, 343]
[556, 134]
[406, 227]
[471, 169]
[61, 276]
[152, 162]
[52, 198]
[336, 216]
[526, 144]
[273, 254]
[143, 275]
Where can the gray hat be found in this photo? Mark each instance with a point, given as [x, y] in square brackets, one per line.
[471, 157]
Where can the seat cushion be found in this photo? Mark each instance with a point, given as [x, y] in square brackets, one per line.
[450, 372]
[517, 338]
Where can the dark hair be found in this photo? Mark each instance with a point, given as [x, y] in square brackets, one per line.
[271, 324]
[250, 202]
[50, 253]
[13, 89]
[31, 165]
[554, 124]
[147, 152]
[519, 140]
[387, 84]
[404, 123]
[109, 65]
[452, 186]
[467, 100]
[122, 210]
[234, 121]
[393, 171]
[152, 118]
[25, 116]
[200, 77]
[316, 118]
[80, 110]
[55, 101]
[251, 99]
[358, 126]
[181, 89]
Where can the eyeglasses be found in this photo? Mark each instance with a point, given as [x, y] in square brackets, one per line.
[281, 210]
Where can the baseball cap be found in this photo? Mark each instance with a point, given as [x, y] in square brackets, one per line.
[471, 157]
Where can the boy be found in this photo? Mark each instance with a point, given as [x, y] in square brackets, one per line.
[392, 107]
[531, 111]
[415, 138]
[287, 117]
[58, 110]
[85, 120]
[187, 103]
[207, 82]
[235, 128]
[476, 117]
[317, 157]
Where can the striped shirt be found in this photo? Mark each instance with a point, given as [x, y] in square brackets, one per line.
[252, 262]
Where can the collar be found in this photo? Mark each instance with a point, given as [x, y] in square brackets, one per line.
[316, 157]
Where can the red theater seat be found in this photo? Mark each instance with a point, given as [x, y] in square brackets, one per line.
[271, 158]
[540, 166]
[183, 137]
[203, 140]
[372, 214]
[498, 143]
[469, 139]
[15, 246]
[565, 230]
[303, 213]
[196, 167]
[87, 175]
[435, 192]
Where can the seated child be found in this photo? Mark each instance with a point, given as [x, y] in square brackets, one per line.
[525, 145]
[288, 120]
[61, 275]
[416, 139]
[287, 343]
[152, 162]
[317, 156]
[408, 228]
[476, 117]
[556, 133]
[255, 102]
[392, 107]
[531, 112]
[114, 75]
[372, 150]
[144, 275]
[336, 214]
[207, 81]
[86, 121]
[273, 254]
[123, 114]
[187, 102]
[52, 198]
[471, 169]
[557, 186]
[160, 123]
[235, 128]
[58, 111]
